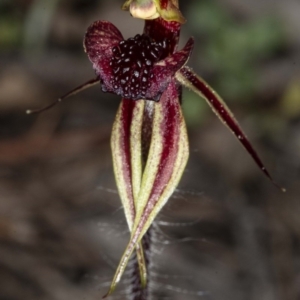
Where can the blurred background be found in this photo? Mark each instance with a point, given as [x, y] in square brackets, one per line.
[226, 234]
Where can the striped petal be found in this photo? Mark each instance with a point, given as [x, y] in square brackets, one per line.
[127, 162]
[167, 158]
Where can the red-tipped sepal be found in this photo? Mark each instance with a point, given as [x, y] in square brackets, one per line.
[192, 81]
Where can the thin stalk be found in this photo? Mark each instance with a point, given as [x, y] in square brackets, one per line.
[136, 291]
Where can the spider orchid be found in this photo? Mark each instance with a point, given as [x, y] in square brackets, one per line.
[149, 139]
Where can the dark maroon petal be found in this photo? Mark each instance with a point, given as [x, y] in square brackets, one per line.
[99, 40]
[164, 70]
[189, 79]
[160, 30]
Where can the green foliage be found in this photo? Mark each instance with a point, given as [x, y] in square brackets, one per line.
[194, 109]
[10, 26]
[10, 33]
[234, 48]
[290, 101]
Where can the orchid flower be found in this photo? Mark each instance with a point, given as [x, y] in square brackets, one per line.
[149, 139]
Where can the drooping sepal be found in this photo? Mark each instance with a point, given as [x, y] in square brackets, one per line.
[127, 162]
[126, 154]
[192, 81]
[152, 9]
[167, 158]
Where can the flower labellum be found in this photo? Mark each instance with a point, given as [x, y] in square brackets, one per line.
[137, 68]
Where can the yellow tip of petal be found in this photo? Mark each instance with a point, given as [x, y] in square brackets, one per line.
[148, 11]
[152, 9]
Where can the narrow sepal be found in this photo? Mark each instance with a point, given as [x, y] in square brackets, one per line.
[126, 136]
[73, 92]
[192, 81]
[165, 164]
[126, 152]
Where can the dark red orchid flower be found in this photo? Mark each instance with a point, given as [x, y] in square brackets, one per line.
[149, 139]
[138, 68]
